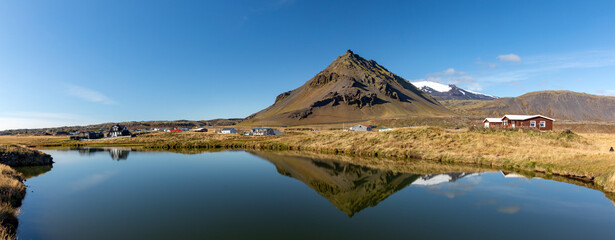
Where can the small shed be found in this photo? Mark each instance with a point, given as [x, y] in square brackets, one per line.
[492, 122]
[363, 128]
[228, 131]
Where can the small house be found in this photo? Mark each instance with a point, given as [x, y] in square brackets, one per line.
[87, 135]
[528, 121]
[118, 131]
[361, 128]
[262, 132]
[228, 131]
[199, 130]
[492, 122]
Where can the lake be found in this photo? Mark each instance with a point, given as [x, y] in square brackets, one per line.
[110, 193]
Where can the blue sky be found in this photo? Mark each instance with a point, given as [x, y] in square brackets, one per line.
[83, 62]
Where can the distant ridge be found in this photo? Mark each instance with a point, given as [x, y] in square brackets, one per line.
[131, 125]
[561, 105]
[351, 88]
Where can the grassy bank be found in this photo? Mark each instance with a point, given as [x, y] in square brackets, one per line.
[12, 192]
[582, 156]
[12, 188]
[16, 156]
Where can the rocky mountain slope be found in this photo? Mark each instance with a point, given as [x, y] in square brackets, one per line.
[351, 88]
[561, 105]
[450, 92]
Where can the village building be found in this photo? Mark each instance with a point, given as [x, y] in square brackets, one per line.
[87, 135]
[228, 131]
[199, 130]
[264, 132]
[118, 131]
[361, 128]
[528, 121]
[261, 132]
[492, 122]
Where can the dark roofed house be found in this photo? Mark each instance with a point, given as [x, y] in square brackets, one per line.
[118, 131]
[62, 133]
[87, 135]
[199, 130]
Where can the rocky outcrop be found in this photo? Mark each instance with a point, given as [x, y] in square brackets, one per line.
[282, 96]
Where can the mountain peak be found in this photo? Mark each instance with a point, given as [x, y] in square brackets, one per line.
[351, 88]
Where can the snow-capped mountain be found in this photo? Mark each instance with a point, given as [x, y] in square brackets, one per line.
[450, 92]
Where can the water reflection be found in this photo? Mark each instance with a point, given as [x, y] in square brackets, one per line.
[33, 171]
[115, 153]
[232, 195]
[349, 187]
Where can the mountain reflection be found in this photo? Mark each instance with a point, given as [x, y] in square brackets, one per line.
[115, 153]
[350, 187]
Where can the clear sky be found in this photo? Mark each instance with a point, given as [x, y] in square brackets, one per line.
[83, 62]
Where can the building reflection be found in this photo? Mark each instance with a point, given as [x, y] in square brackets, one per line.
[115, 153]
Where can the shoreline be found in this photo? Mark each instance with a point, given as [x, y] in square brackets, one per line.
[13, 189]
[578, 156]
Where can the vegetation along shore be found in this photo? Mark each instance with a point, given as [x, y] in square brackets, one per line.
[583, 156]
[12, 188]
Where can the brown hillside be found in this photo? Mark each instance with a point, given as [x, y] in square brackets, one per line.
[563, 105]
[351, 88]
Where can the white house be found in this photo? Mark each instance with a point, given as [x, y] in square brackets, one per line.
[228, 131]
[360, 128]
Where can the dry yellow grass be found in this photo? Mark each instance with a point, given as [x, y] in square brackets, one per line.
[12, 189]
[12, 192]
[28, 139]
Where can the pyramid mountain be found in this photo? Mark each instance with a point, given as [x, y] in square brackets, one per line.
[351, 88]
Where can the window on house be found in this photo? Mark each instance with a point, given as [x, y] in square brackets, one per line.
[505, 122]
[543, 124]
[532, 123]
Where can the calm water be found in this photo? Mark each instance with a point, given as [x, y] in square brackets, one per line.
[120, 194]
